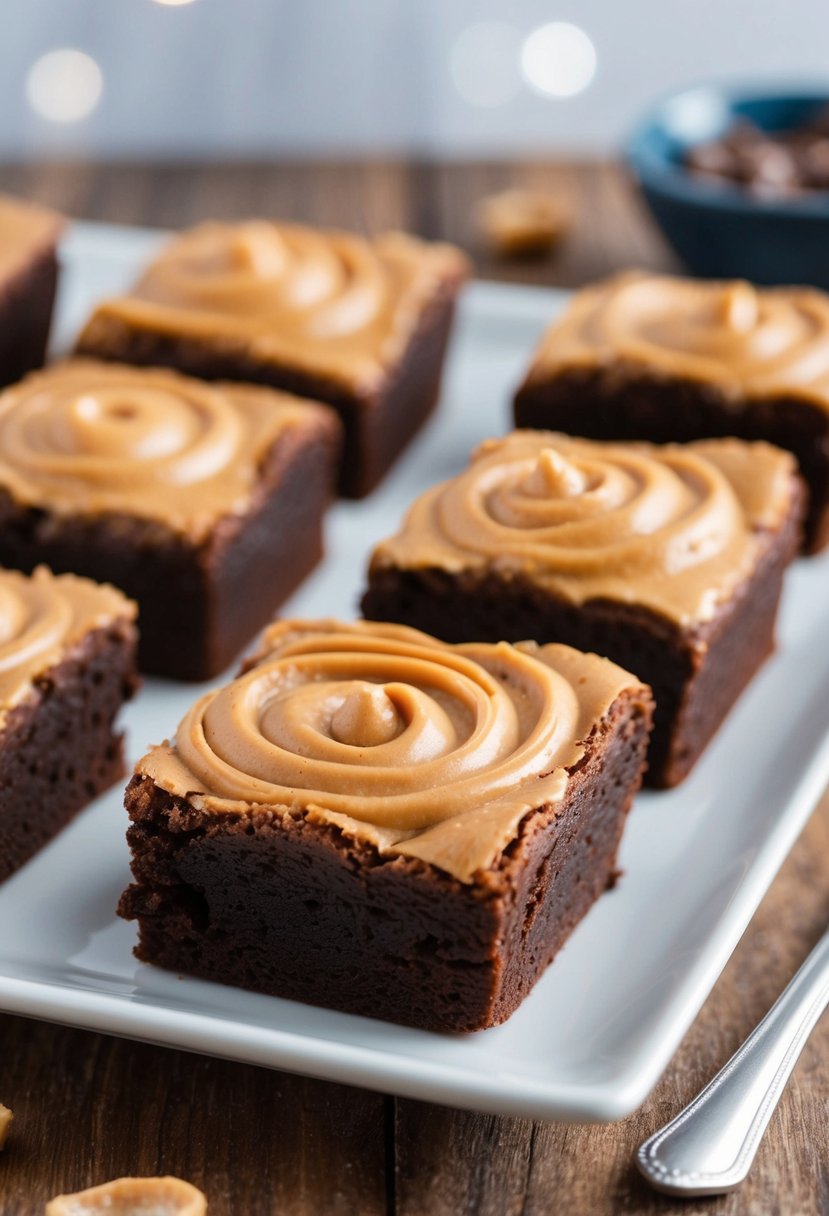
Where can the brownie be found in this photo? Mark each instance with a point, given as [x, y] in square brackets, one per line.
[393, 827]
[669, 560]
[68, 664]
[28, 282]
[668, 360]
[202, 502]
[361, 325]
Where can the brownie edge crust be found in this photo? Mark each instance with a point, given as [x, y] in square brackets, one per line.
[58, 749]
[298, 910]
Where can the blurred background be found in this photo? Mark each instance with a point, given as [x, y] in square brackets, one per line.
[370, 114]
[450, 78]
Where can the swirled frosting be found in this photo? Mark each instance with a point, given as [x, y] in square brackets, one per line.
[327, 302]
[673, 528]
[25, 230]
[424, 749]
[750, 342]
[41, 617]
[87, 437]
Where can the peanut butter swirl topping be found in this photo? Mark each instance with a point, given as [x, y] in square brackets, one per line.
[746, 340]
[90, 437]
[425, 749]
[41, 616]
[673, 528]
[326, 301]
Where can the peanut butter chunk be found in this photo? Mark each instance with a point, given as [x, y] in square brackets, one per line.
[132, 1197]
[522, 223]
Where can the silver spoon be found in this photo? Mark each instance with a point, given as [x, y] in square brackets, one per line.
[710, 1145]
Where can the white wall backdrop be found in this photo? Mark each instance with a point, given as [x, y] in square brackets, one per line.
[453, 77]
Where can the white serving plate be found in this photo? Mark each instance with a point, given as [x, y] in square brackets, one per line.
[603, 1022]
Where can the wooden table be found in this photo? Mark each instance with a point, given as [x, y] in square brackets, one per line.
[90, 1108]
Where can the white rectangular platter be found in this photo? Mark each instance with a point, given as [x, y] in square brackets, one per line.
[603, 1022]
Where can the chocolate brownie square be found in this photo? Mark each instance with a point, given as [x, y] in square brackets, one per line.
[67, 664]
[374, 821]
[361, 325]
[202, 502]
[669, 560]
[28, 282]
[664, 359]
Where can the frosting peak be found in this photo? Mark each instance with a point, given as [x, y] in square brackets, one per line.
[740, 307]
[554, 476]
[671, 527]
[425, 749]
[254, 251]
[366, 716]
[745, 339]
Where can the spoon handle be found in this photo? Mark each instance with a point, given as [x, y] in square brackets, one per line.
[710, 1145]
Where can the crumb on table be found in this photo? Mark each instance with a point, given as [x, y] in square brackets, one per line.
[522, 223]
[125, 1196]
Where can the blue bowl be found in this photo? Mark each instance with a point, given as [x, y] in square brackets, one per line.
[718, 229]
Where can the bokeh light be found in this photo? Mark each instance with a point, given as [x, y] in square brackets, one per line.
[558, 59]
[64, 85]
[484, 63]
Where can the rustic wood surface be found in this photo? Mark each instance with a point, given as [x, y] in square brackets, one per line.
[89, 1108]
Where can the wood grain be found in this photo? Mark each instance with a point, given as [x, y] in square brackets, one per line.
[610, 228]
[89, 1107]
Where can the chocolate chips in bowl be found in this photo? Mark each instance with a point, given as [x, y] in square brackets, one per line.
[770, 164]
[738, 181]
